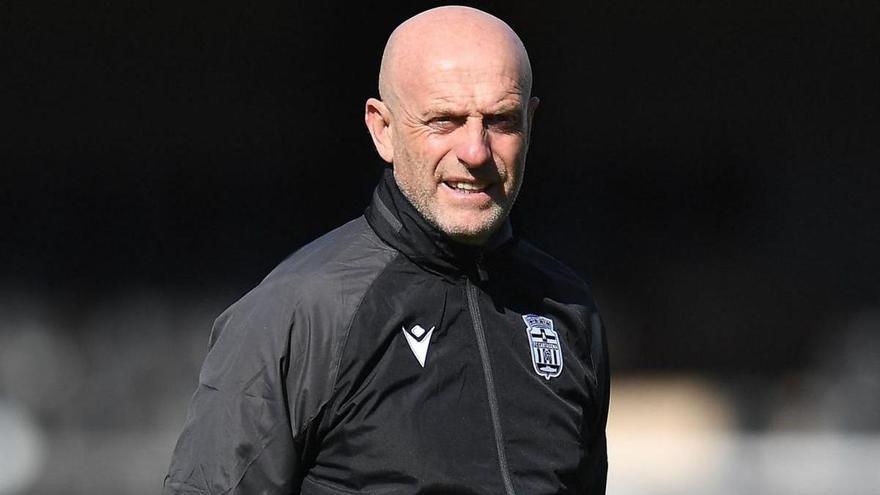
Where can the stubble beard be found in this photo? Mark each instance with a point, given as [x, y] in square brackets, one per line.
[425, 202]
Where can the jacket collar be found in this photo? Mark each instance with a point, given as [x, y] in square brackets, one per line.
[396, 221]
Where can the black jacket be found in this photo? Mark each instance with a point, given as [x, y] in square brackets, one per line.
[383, 358]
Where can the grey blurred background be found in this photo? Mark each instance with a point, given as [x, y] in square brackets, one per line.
[710, 167]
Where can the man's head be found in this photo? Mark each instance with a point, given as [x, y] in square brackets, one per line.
[455, 117]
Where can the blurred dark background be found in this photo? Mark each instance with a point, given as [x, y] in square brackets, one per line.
[711, 168]
[704, 164]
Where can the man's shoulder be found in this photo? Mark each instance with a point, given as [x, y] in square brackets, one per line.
[351, 245]
[328, 271]
[296, 317]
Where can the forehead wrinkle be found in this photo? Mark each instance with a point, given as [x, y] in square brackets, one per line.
[447, 105]
[509, 100]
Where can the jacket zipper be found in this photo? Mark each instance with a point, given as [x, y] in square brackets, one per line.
[490, 383]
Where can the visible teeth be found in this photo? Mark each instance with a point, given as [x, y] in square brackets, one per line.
[464, 186]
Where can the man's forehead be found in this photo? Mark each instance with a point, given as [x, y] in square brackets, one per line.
[452, 105]
[492, 89]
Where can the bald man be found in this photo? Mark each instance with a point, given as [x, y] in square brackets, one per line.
[422, 347]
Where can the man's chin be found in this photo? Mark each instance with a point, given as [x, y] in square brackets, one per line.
[471, 231]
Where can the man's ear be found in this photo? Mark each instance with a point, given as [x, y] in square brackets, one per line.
[378, 120]
[533, 104]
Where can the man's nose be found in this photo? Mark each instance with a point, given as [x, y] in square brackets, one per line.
[473, 148]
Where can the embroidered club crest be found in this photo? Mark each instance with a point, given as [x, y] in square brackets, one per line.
[545, 345]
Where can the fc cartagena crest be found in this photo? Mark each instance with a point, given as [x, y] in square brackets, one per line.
[545, 345]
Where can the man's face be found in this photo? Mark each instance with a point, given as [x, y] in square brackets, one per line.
[460, 132]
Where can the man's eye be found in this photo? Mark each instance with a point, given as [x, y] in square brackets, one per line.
[505, 123]
[446, 122]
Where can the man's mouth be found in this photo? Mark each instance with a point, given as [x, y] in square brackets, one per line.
[466, 187]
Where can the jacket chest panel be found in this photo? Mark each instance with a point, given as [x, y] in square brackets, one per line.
[413, 388]
[545, 387]
[411, 396]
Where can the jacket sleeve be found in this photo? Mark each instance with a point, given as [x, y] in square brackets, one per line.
[599, 450]
[239, 436]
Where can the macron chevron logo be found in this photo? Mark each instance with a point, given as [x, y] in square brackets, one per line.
[418, 339]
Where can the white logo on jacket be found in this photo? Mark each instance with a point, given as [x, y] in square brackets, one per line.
[418, 339]
[545, 344]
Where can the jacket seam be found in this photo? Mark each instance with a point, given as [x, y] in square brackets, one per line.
[312, 479]
[354, 314]
[342, 348]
